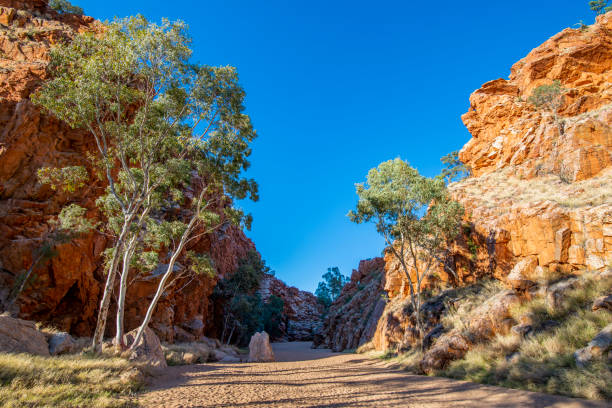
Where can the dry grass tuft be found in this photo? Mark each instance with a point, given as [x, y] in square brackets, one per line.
[67, 381]
[505, 187]
[544, 361]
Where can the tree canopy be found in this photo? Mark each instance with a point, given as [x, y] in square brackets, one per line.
[329, 289]
[416, 217]
[172, 142]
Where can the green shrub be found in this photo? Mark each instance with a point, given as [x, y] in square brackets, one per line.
[64, 7]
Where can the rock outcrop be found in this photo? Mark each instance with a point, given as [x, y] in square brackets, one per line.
[66, 290]
[21, 336]
[353, 316]
[301, 310]
[538, 203]
[260, 350]
[148, 352]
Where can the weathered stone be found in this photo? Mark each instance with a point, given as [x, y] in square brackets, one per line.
[599, 346]
[447, 348]
[21, 336]
[260, 349]
[61, 343]
[148, 351]
[556, 292]
[603, 303]
[522, 275]
[301, 310]
[523, 330]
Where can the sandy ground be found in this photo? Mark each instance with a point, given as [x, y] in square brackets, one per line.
[303, 377]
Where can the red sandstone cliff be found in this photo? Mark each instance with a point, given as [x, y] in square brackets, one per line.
[540, 199]
[66, 290]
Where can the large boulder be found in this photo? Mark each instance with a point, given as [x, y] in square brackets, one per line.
[148, 351]
[61, 343]
[21, 336]
[260, 349]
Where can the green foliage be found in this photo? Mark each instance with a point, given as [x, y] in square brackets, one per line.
[171, 136]
[331, 287]
[600, 6]
[64, 6]
[454, 169]
[548, 97]
[414, 214]
[272, 316]
[243, 309]
[68, 178]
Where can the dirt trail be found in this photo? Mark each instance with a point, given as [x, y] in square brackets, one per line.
[303, 377]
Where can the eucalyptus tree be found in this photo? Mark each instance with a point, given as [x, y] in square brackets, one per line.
[163, 127]
[416, 217]
[600, 6]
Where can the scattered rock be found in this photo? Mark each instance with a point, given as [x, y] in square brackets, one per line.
[603, 303]
[523, 330]
[522, 275]
[21, 336]
[432, 335]
[601, 344]
[260, 349]
[148, 351]
[556, 292]
[61, 343]
[448, 348]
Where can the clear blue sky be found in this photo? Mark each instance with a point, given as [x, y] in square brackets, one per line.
[336, 87]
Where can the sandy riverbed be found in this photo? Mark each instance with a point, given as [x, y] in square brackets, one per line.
[303, 377]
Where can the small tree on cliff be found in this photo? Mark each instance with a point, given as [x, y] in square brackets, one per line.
[454, 169]
[416, 217]
[169, 134]
[550, 98]
[600, 6]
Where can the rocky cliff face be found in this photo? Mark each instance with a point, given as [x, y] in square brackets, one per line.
[66, 291]
[302, 312]
[540, 198]
[353, 317]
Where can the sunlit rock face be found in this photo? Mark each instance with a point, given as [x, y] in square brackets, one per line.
[539, 200]
[302, 312]
[67, 290]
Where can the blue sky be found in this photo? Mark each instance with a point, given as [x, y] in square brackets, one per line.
[336, 87]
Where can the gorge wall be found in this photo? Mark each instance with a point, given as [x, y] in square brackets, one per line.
[66, 291]
[301, 310]
[539, 200]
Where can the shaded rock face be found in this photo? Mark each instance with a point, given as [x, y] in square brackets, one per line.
[260, 350]
[352, 318]
[301, 310]
[66, 291]
[21, 336]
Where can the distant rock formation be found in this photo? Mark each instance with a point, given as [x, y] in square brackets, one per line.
[352, 318]
[302, 312]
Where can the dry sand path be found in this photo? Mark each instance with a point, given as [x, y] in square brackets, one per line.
[303, 377]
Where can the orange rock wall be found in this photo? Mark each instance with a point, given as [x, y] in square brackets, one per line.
[66, 291]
